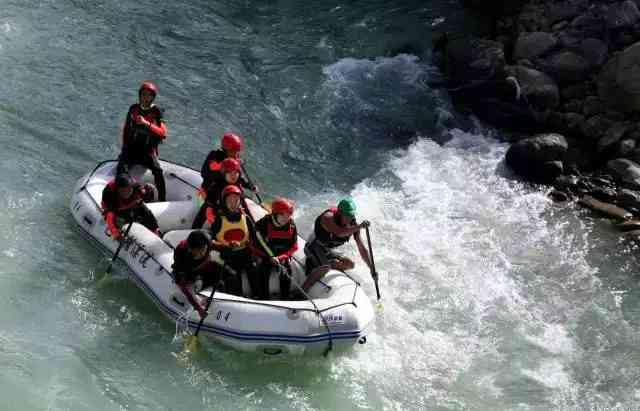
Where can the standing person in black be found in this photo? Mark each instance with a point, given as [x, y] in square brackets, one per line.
[143, 131]
[274, 242]
[193, 268]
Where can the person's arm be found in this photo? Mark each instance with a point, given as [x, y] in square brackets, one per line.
[182, 279]
[362, 249]
[215, 229]
[330, 225]
[244, 182]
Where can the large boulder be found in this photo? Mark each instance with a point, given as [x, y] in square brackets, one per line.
[537, 88]
[627, 171]
[470, 60]
[538, 158]
[594, 51]
[619, 80]
[533, 45]
[566, 67]
[622, 15]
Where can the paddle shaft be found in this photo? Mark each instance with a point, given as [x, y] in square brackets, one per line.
[206, 309]
[115, 255]
[374, 274]
[244, 171]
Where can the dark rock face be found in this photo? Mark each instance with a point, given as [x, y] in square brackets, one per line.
[566, 67]
[471, 59]
[622, 15]
[533, 45]
[619, 81]
[627, 171]
[539, 90]
[538, 158]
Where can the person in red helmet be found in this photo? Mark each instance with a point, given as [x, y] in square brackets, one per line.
[229, 174]
[230, 230]
[123, 202]
[231, 146]
[273, 244]
[193, 268]
[143, 131]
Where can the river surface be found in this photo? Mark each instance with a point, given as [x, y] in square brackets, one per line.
[493, 298]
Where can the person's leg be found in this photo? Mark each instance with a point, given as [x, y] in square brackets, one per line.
[145, 217]
[285, 281]
[158, 177]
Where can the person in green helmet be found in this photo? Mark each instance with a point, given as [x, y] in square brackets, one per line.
[333, 228]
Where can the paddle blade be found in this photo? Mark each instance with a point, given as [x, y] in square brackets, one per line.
[192, 344]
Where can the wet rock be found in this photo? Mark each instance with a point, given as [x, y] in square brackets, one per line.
[595, 127]
[538, 158]
[559, 197]
[622, 15]
[625, 148]
[611, 137]
[574, 106]
[606, 194]
[566, 183]
[619, 82]
[592, 106]
[629, 225]
[532, 45]
[628, 198]
[537, 88]
[472, 59]
[495, 7]
[607, 209]
[566, 67]
[588, 25]
[562, 11]
[594, 51]
[575, 91]
[626, 171]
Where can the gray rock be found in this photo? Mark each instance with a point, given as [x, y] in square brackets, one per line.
[625, 148]
[532, 45]
[561, 11]
[567, 67]
[626, 171]
[538, 158]
[619, 81]
[594, 51]
[622, 15]
[574, 106]
[588, 25]
[595, 127]
[628, 198]
[592, 106]
[539, 90]
[612, 136]
[559, 26]
[575, 91]
[472, 59]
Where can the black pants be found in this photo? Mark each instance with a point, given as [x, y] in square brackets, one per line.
[238, 261]
[140, 214]
[149, 161]
[260, 275]
[201, 217]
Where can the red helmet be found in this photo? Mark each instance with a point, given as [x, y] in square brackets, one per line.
[282, 206]
[232, 142]
[147, 85]
[230, 164]
[231, 189]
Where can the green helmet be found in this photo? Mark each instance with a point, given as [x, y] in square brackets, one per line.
[347, 207]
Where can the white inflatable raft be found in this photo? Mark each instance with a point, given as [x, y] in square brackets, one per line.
[335, 318]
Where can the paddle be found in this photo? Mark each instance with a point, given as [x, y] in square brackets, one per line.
[374, 274]
[193, 344]
[244, 171]
[115, 255]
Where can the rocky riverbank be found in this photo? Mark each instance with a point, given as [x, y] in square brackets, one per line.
[564, 77]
